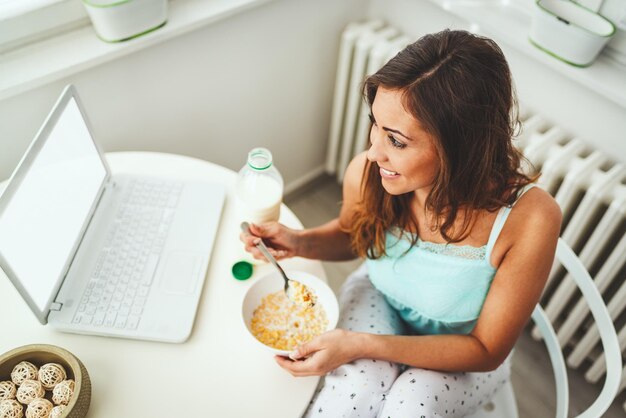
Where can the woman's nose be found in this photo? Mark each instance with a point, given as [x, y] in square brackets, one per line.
[375, 152]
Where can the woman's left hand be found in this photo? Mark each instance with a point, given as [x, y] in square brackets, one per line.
[322, 354]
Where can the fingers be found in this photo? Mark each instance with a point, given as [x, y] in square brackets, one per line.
[250, 242]
[298, 368]
[278, 254]
[269, 232]
[257, 254]
[301, 361]
[262, 230]
[305, 350]
[258, 231]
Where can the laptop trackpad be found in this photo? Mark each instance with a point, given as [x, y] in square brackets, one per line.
[181, 272]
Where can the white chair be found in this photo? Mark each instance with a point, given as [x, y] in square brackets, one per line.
[504, 405]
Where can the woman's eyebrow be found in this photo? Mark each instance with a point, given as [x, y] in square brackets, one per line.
[396, 132]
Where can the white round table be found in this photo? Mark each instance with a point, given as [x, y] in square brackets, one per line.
[219, 372]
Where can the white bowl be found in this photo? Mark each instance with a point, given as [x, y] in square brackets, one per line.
[272, 283]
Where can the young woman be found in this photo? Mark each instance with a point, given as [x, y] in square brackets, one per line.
[458, 244]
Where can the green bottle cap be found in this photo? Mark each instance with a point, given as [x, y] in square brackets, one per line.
[242, 270]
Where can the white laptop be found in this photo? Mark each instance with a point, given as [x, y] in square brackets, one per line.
[95, 253]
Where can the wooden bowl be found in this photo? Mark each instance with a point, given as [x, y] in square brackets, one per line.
[40, 354]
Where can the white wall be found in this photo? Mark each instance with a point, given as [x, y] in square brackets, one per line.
[264, 77]
[572, 106]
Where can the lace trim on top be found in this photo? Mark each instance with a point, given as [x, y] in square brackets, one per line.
[462, 251]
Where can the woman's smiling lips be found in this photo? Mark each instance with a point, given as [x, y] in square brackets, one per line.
[388, 174]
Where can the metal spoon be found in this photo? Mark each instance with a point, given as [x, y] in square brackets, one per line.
[245, 227]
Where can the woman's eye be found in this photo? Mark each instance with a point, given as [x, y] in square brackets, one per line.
[394, 142]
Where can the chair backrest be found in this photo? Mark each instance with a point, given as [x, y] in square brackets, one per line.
[608, 335]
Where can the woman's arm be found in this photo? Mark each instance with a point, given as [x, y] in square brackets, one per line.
[528, 243]
[437, 352]
[330, 241]
[326, 242]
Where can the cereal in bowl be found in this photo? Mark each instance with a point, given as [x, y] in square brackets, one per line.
[301, 294]
[282, 324]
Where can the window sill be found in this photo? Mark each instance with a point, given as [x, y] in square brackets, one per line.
[512, 25]
[63, 55]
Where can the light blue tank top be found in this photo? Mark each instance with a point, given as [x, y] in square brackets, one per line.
[436, 288]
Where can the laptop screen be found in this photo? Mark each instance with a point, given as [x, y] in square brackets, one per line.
[46, 213]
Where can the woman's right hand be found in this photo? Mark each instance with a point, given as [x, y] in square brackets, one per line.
[282, 242]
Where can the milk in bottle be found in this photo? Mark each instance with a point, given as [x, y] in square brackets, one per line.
[259, 188]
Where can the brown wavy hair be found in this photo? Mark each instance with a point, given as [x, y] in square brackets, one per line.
[459, 86]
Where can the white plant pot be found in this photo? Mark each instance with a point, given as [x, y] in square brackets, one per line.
[569, 31]
[120, 20]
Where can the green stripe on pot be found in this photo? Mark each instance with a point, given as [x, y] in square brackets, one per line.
[131, 37]
[113, 4]
[547, 51]
[538, 2]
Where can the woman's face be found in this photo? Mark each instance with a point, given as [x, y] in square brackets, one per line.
[405, 154]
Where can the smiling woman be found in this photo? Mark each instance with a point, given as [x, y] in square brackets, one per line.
[458, 243]
[402, 158]
[429, 94]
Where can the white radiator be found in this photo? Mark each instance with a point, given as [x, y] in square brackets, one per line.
[589, 187]
[364, 49]
[591, 190]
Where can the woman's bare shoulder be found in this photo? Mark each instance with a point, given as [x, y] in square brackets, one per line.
[353, 177]
[352, 188]
[531, 230]
[537, 213]
[539, 203]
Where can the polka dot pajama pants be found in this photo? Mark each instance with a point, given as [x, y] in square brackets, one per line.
[375, 388]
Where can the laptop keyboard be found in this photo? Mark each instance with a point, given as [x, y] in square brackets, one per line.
[116, 294]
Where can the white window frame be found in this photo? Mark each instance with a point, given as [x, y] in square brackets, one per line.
[39, 19]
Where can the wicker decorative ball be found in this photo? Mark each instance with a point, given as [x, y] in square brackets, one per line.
[62, 393]
[30, 390]
[57, 411]
[39, 408]
[10, 408]
[22, 371]
[7, 390]
[51, 374]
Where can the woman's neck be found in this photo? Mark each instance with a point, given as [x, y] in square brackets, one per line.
[426, 220]
[419, 203]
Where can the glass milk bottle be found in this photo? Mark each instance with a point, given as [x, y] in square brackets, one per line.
[259, 188]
